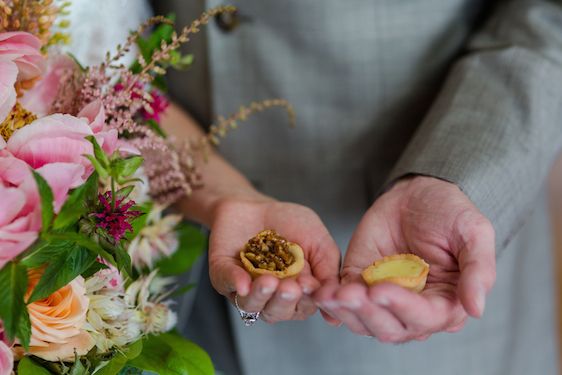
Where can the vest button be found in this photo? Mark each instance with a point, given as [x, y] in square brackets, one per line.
[227, 22]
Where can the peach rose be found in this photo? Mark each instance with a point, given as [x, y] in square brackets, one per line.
[57, 321]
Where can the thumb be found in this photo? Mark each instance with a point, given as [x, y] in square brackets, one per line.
[477, 263]
[227, 277]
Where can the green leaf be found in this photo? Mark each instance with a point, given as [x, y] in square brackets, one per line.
[118, 362]
[123, 193]
[78, 368]
[46, 194]
[40, 252]
[139, 222]
[83, 241]
[102, 172]
[121, 168]
[93, 269]
[171, 354]
[13, 282]
[98, 152]
[27, 366]
[123, 260]
[62, 270]
[192, 244]
[76, 204]
[184, 289]
[24, 329]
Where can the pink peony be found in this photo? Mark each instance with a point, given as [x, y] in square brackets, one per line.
[61, 138]
[8, 75]
[24, 50]
[20, 211]
[39, 99]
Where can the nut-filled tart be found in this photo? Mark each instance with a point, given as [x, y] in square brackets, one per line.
[407, 270]
[268, 253]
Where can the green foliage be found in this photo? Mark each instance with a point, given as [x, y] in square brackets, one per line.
[140, 221]
[13, 279]
[119, 361]
[27, 366]
[120, 168]
[46, 194]
[93, 269]
[69, 264]
[83, 241]
[192, 243]
[171, 354]
[147, 47]
[77, 203]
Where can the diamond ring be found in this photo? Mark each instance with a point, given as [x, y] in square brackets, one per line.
[249, 318]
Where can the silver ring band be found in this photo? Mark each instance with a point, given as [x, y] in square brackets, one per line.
[249, 318]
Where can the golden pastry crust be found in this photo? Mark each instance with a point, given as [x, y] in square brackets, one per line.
[291, 270]
[406, 270]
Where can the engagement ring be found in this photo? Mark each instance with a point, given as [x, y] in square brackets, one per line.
[249, 318]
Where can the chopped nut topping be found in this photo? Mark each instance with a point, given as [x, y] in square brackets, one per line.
[268, 250]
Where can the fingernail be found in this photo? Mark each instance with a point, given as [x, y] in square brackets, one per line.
[383, 301]
[307, 290]
[266, 290]
[288, 296]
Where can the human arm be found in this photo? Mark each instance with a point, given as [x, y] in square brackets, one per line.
[235, 211]
[493, 132]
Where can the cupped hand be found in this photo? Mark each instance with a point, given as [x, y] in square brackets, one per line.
[235, 222]
[435, 220]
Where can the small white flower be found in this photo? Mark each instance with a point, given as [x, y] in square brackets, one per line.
[159, 318]
[158, 238]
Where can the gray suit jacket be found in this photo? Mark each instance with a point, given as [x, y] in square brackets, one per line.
[464, 90]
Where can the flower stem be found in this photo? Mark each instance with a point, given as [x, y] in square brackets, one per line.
[112, 194]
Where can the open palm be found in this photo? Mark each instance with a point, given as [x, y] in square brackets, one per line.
[436, 221]
[239, 220]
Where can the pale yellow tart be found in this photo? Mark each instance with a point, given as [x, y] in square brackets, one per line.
[407, 270]
[267, 253]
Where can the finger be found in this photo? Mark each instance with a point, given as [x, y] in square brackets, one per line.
[325, 259]
[308, 284]
[283, 304]
[263, 289]
[305, 308]
[457, 327]
[420, 314]
[342, 309]
[477, 263]
[323, 298]
[227, 277]
[378, 321]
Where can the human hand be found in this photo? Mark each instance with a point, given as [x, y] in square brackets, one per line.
[236, 221]
[436, 221]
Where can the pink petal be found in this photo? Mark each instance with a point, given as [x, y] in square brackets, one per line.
[8, 75]
[40, 97]
[95, 114]
[21, 37]
[62, 177]
[6, 358]
[13, 171]
[11, 204]
[39, 152]
[49, 127]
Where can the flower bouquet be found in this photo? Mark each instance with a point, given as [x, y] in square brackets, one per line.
[87, 248]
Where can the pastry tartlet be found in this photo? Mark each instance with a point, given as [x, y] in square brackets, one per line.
[268, 253]
[407, 270]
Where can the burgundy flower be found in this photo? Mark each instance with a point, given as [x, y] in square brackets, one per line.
[116, 220]
[156, 106]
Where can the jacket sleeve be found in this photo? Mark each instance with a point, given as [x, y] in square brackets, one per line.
[496, 126]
